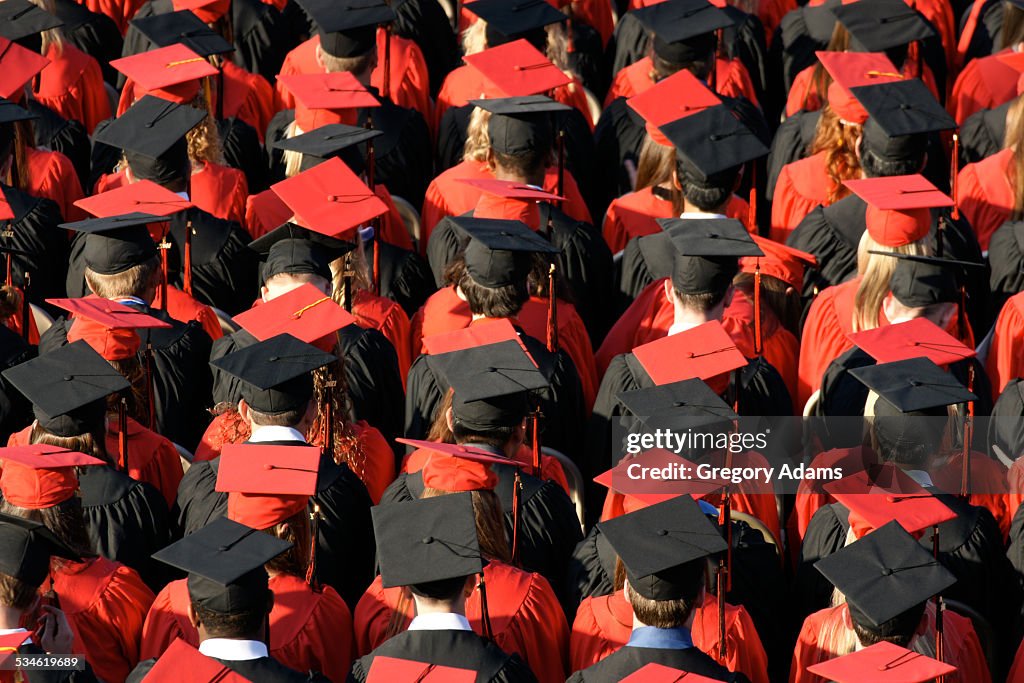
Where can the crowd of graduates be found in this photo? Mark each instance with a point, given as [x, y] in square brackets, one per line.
[322, 323]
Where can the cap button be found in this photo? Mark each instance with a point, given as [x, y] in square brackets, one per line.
[713, 235]
[273, 359]
[915, 383]
[68, 378]
[663, 532]
[268, 466]
[223, 549]
[427, 540]
[886, 572]
[679, 404]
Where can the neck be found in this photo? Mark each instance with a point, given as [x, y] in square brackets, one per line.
[511, 176]
[428, 606]
[686, 317]
[10, 617]
[692, 208]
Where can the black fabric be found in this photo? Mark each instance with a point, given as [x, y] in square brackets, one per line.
[94, 34]
[263, 669]
[405, 277]
[15, 409]
[792, 142]
[54, 675]
[982, 134]
[425, 23]
[34, 231]
[1006, 262]
[61, 135]
[243, 150]
[1007, 431]
[986, 33]
[801, 33]
[627, 660]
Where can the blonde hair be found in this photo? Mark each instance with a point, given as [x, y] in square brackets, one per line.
[54, 37]
[478, 142]
[474, 40]
[292, 159]
[357, 66]
[876, 271]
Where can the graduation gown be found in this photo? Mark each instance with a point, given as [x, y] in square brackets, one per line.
[804, 97]
[51, 176]
[802, 185]
[800, 33]
[44, 676]
[526, 619]
[54, 132]
[584, 261]
[105, 602]
[262, 669]
[1004, 362]
[986, 194]
[731, 80]
[604, 623]
[982, 134]
[72, 85]
[426, 23]
[94, 33]
[548, 526]
[791, 142]
[627, 660]
[345, 548]
[34, 231]
[458, 649]
[310, 629]
[984, 83]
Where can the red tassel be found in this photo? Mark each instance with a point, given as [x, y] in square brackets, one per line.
[314, 530]
[150, 391]
[968, 436]
[485, 613]
[517, 492]
[552, 329]
[535, 421]
[10, 271]
[164, 246]
[757, 308]
[376, 259]
[385, 88]
[752, 208]
[938, 604]
[954, 182]
[187, 277]
[122, 434]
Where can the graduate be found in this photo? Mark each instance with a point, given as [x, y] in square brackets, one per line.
[105, 602]
[1003, 361]
[989, 81]
[430, 549]
[230, 603]
[310, 626]
[982, 133]
[885, 661]
[664, 584]
[277, 403]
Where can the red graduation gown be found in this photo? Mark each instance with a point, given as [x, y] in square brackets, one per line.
[731, 80]
[184, 308]
[1017, 670]
[802, 186]
[550, 468]
[444, 311]
[960, 642]
[51, 176]
[408, 81]
[72, 85]
[105, 603]
[121, 11]
[448, 197]
[1006, 352]
[985, 194]
[985, 83]
[216, 189]
[384, 315]
[526, 618]
[309, 629]
[604, 623]
[802, 96]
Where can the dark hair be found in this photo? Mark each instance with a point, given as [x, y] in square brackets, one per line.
[707, 194]
[240, 624]
[295, 560]
[776, 295]
[701, 302]
[875, 166]
[15, 593]
[493, 302]
[530, 165]
[899, 630]
[496, 437]
[1012, 31]
[65, 520]
[445, 589]
[663, 613]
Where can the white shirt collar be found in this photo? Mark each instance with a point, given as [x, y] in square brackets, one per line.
[233, 650]
[923, 479]
[441, 621]
[694, 215]
[276, 433]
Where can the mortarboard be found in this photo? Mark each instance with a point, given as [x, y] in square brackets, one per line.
[899, 114]
[11, 112]
[326, 98]
[275, 372]
[680, 95]
[499, 252]
[915, 338]
[516, 69]
[713, 141]
[925, 280]
[520, 124]
[898, 207]
[182, 27]
[681, 405]
[180, 656]
[224, 561]
[457, 474]
[330, 140]
[267, 484]
[169, 73]
[707, 252]
[779, 261]
[27, 548]
[663, 548]
[683, 29]
[852, 70]
[107, 326]
[641, 493]
[883, 662]
[494, 331]
[883, 493]
[509, 200]
[913, 385]
[305, 312]
[507, 21]
[152, 135]
[705, 351]
[293, 249]
[67, 387]
[115, 244]
[21, 19]
[659, 673]
[878, 25]
[108, 312]
[885, 576]
[511, 189]
[208, 11]
[393, 670]
[18, 65]
[137, 203]
[425, 541]
[463, 451]
[330, 199]
[38, 476]
[347, 28]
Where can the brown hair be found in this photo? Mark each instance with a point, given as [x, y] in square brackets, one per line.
[136, 281]
[357, 66]
[15, 593]
[820, 79]
[776, 295]
[490, 522]
[90, 444]
[65, 520]
[439, 430]
[839, 142]
[138, 395]
[1012, 31]
[296, 530]
[660, 613]
[655, 165]
[10, 301]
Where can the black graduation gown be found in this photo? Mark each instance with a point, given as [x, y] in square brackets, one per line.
[627, 660]
[425, 23]
[1006, 263]
[126, 521]
[15, 410]
[457, 649]
[54, 675]
[345, 546]
[181, 374]
[548, 526]
[585, 262]
[263, 669]
[244, 151]
[561, 404]
[53, 131]
[34, 230]
[986, 33]
[405, 277]
[792, 142]
[1007, 431]
[982, 134]
[371, 369]
[262, 37]
[94, 34]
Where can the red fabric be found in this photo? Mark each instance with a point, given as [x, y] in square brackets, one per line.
[51, 176]
[975, 88]
[377, 468]
[604, 623]
[802, 96]
[448, 197]
[216, 189]
[457, 475]
[113, 343]
[121, 11]
[526, 618]
[897, 228]
[960, 644]
[309, 630]
[37, 489]
[802, 186]
[13, 323]
[184, 308]
[810, 495]
[105, 603]
[1006, 353]
[72, 86]
[444, 311]
[227, 427]
[985, 195]
[550, 468]
[374, 312]
[731, 80]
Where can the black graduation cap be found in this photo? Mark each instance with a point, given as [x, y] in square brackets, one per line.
[152, 135]
[878, 25]
[348, 28]
[116, 243]
[224, 561]
[26, 549]
[67, 387]
[663, 547]
[183, 27]
[11, 112]
[334, 139]
[707, 252]
[900, 113]
[913, 385]
[924, 280]
[520, 124]
[508, 20]
[712, 141]
[427, 540]
[275, 373]
[491, 383]
[689, 403]
[499, 251]
[885, 575]
[290, 248]
[21, 19]
[683, 29]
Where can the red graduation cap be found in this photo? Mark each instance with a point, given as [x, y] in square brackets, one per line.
[39, 476]
[509, 200]
[680, 95]
[516, 69]
[18, 65]
[9, 644]
[458, 474]
[208, 11]
[392, 670]
[511, 189]
[704, 352]
[912, 339]
[883, 662]
[305, 312]
[851, 70]
[108, 312]
[267, 484]
[463, 451]
[481, 334]
[897, 212]
[180, 656]
[641, 492]
[143, 196]
[330, 199]
[171, 73]
[659, 673]
[326, 98]
[779, 261]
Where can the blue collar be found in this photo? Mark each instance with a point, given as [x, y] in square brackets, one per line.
[661, 638]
